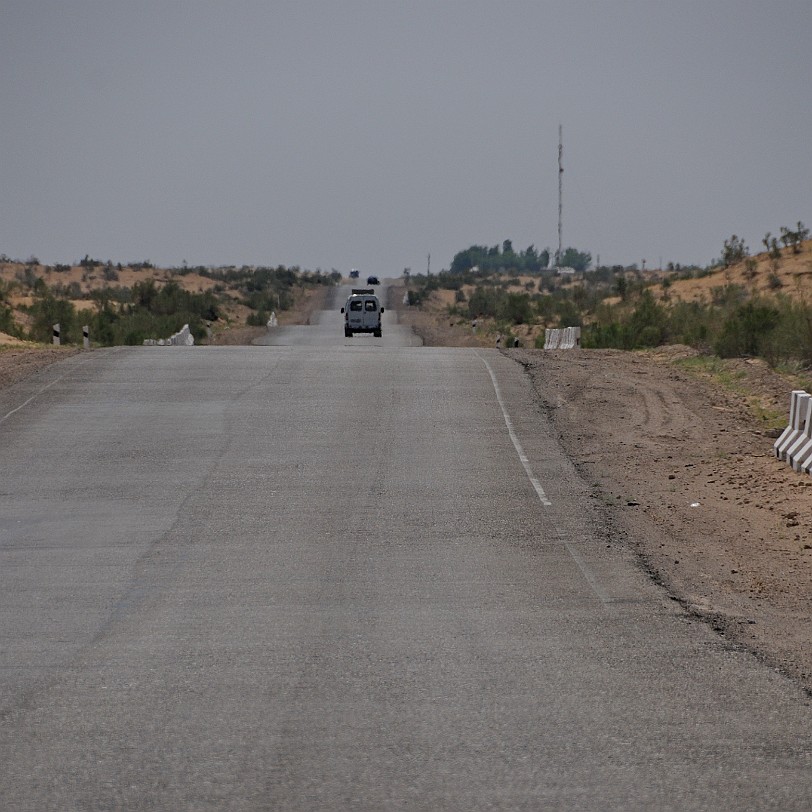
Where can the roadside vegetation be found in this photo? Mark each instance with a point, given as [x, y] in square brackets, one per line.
[738, 306]
[126, 304]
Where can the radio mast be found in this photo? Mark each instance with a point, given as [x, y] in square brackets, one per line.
[560, 194]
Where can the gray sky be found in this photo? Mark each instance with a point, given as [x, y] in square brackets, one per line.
[368, 133]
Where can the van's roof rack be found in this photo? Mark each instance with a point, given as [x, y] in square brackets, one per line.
[363, 291]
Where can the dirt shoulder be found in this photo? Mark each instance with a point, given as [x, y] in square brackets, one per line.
[685, 470]
[17, 363]
[434, 327]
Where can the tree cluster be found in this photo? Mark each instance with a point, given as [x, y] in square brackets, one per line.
[793, 239]
[734, 251]
[502, 259]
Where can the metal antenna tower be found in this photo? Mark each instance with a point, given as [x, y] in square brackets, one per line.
[560, 194]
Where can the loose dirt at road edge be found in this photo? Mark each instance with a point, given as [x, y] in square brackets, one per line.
[687, 477]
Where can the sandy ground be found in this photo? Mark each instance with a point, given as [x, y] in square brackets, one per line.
[683, 468]
[687, 477]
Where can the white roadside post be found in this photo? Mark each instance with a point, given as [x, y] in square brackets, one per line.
[57, 331]
[798, 401]
[86, 336]
[798, 452]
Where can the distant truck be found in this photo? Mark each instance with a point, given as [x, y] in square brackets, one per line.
[362, 313]
[355, 273]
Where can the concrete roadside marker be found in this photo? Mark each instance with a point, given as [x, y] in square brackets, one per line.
[803, 433]
[562, 338]
[798, 401]
[801, 450]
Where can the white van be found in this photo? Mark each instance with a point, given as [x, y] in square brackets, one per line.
[362, 313]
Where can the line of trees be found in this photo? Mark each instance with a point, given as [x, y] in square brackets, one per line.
[504, 259]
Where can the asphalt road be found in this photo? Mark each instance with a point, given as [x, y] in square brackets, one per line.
[329, 326]
[345, 574]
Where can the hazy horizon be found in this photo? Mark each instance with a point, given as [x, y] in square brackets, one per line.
[372, 134]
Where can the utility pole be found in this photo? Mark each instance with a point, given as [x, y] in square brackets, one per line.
[560, 194]
[428, 266]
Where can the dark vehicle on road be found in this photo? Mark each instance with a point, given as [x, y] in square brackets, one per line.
[373, 280]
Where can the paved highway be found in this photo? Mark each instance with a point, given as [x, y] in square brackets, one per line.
[329, 326]
[345, 574]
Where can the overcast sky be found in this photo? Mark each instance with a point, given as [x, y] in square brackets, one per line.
[370, 133]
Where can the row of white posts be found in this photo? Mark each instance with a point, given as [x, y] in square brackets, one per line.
[183, 338]
[58, 335]
[795, 443]
[565, 338]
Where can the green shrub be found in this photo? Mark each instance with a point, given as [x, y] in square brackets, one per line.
[745, 331]
[258, 319]
[47, 311]
[7, 323]
[515, 308]
[734, 251]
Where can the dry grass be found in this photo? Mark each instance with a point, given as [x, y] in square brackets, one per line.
[793, 273]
